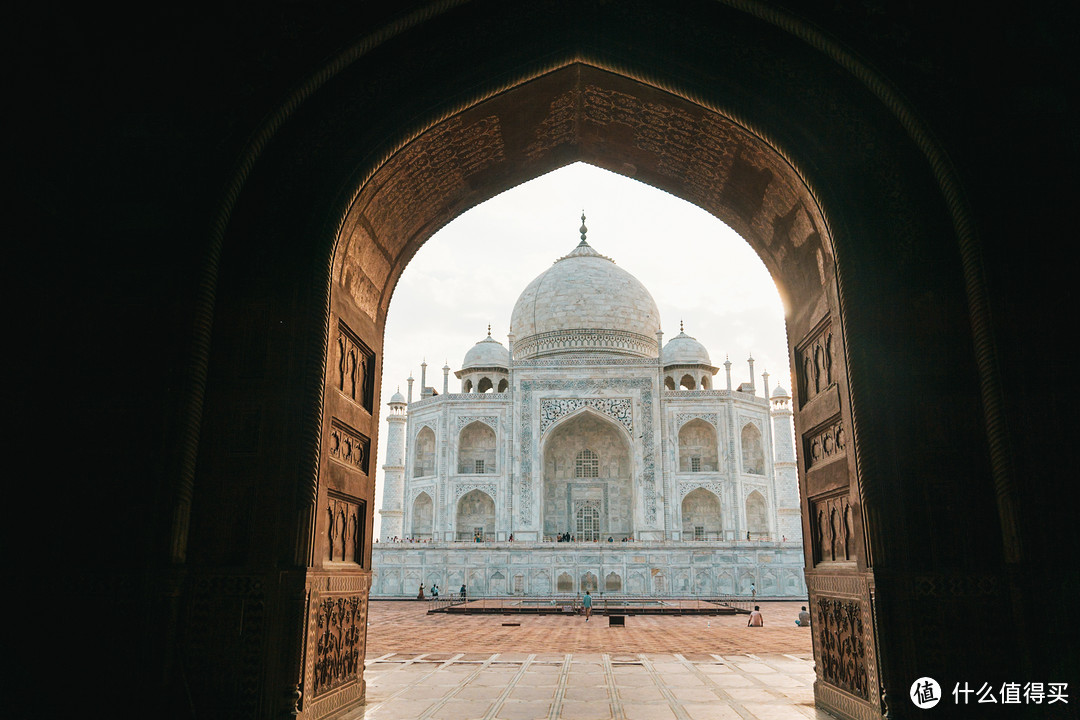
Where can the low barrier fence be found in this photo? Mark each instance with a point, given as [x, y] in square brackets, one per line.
[572, 603]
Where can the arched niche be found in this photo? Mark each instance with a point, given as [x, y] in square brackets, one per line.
[424, 453]
[753, 451]
[423, 515]
[476, 449]
[587, 475]
[475, 517]
[687, 382]
[757, 515]
[701, 515]
[698, 449]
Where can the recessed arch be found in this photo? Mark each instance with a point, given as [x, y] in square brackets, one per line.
[701, 515]
[424, 453]
[698, 449]
[475, 517]
[422, 514]
[477, 449]
[753, 450]
[587, 477]
[757, 515]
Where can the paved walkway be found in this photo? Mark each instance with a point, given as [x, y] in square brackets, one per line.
[430, 667]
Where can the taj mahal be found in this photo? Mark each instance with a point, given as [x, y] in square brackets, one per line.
[587, 454]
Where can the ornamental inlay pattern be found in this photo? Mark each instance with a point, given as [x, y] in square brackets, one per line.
[554, 409]
[646, 478]
[461, 489]
[715, 488]
[491, 420]
[683, 418]
[599, 339]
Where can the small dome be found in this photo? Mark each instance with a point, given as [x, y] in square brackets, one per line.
[685, 350]
[780, 392]
[397, 398]
[487, 353]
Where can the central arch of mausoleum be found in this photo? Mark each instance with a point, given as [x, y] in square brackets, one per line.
[588, 472]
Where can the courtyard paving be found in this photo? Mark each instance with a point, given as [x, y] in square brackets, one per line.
[431, 667]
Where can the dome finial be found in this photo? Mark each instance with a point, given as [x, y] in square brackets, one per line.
[489, 329]
[680, 326]
[583, 229]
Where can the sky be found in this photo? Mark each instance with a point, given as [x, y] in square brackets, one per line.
[470, 274]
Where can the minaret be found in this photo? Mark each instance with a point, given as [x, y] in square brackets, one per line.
[410, 381]
[423, 379]
[753, 391]
[393, 495]
[788, 522]
[445, 379]
[727, 369]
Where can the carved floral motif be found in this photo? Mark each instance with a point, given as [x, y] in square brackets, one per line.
[842, 661]
[341, 623]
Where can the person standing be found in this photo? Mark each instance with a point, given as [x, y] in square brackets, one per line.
[462, 591]
[420, 595]
[587, 603]
[756, 619]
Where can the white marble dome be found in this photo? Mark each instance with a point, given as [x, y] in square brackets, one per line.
[585, 303]
[397, 398]
[485, 354]
[685, 350]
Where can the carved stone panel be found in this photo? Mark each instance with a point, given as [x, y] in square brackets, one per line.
[825, 443]
[842, 643]
[355, 368]
[349, 446]
[345, 529]
[832, 528]
[814, 362]
[339, 653]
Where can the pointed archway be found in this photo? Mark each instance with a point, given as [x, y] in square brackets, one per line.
[847, 244]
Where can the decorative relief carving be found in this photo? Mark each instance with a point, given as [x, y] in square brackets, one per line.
[696, 394]
[832, 528]
[341, 624]
[826, 443]
[683, 418]
[355, 368]
[647, 477]
[843, 659]
[349, 446]
[815, 362]
[345, 530]
[466, 487]
[618, 409]
[714, 487]
[471, 397]
[490, 420]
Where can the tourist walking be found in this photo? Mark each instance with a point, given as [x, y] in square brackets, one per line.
[587, 604]
[756, 619]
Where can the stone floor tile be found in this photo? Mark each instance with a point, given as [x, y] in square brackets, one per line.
[531, 693]
[585, 711]
[512, 710]
[711, 711]
[642, 693]
[749, 694]
[693, 694]
[458, 710]
[649, 711]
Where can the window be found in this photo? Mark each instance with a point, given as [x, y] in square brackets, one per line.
[695, 464]
[588, 524]
[587, 465]
[479, 467]
[699, 532]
